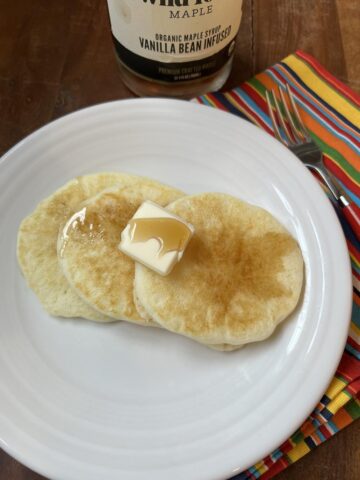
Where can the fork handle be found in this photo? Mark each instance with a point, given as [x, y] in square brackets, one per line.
[350, 210]
[352, 214]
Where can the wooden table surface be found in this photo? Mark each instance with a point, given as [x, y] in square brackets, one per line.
[57, 57]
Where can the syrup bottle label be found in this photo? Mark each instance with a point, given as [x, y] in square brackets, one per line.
[175, 40]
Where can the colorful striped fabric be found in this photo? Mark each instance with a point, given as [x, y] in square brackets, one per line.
[331, 112]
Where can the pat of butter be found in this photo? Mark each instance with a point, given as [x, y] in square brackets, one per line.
[156, 238]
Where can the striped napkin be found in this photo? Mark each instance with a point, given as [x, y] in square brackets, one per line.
[331, 112]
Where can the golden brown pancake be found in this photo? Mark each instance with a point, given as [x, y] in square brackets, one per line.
[37, 243]
[220, 347]
[88, 250]
[240, 276]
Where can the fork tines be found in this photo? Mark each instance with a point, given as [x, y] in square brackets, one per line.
[287, 124]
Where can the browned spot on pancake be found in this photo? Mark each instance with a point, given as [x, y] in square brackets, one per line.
[95, 235]
[249, 267]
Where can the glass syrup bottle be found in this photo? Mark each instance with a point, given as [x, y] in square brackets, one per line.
[176, 48]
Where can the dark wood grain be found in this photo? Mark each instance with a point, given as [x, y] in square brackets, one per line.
[282, 27]
[57, 57]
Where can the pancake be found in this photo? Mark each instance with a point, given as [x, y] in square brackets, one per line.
[145, 316]
[37, 243]
[241, 274]
[88, 248]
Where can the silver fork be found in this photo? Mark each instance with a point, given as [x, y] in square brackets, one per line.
[290, 130]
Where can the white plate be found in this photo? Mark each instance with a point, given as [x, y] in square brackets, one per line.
[85, 401]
